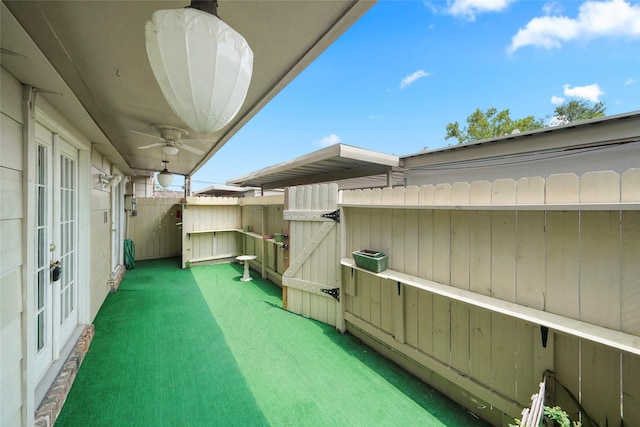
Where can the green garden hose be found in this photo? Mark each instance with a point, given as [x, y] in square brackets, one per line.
[129, 254]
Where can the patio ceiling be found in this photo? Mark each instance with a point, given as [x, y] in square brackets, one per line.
[98, 52]
[334, 163]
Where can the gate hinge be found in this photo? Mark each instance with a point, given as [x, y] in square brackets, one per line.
[335, 215]
[334, 292]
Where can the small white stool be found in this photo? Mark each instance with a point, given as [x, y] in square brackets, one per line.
[246, 258]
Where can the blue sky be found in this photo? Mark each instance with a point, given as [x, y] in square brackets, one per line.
[406, 69]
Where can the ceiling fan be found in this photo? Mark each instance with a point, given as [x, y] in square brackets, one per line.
[172, 141]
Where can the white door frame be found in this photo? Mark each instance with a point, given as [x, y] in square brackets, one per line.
[44, 114]
[117, 226]
[40, 305]
[56, 301]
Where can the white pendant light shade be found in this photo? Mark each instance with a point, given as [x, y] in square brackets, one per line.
[165, 178]
[203, 66]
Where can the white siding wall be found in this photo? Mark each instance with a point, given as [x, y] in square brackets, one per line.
[11, 259]
[142, 187]
[100, 234]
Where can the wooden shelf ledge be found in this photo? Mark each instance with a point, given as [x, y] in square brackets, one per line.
[622, 206]
[251, 234]
[609, 337]
[260, 237]
[222, 230]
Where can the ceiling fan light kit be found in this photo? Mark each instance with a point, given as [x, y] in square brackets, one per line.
[170, 150]
[203, 66]
[172, 140]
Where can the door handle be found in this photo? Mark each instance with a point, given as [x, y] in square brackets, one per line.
[56, 270]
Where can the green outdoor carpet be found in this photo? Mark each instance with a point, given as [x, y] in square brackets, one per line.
[198, 347]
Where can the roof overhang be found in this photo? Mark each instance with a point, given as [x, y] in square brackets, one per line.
[333, 163]
[89, 58]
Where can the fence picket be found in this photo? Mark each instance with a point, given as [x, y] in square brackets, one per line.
[480, 193]
[426, 194]
[530, 190]
[503, 191]
[630, 186]
[442, 194]
[562, 188]
[460, 193]
[600, 187]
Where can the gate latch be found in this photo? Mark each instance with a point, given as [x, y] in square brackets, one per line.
[335, 215]
[334, 292]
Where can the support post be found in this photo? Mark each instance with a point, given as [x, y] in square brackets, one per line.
[286, 229]
[263, 264]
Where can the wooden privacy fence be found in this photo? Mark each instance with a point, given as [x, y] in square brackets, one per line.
[209, 229]
[221, 228]
[492, 283]
[154, 230]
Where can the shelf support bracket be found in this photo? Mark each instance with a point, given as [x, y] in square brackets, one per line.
[545, 334]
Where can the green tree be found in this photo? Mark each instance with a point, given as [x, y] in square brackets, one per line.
[490, 124]
[577, 110]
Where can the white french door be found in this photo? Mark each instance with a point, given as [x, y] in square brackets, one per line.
[56, 237]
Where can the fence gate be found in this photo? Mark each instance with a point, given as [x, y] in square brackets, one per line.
[311, 283]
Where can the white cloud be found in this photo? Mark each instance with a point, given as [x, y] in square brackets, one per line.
[329, 140]
[557, 100]
[614, 18]
[590, 93]
[429, 5]
[410, 79]
[630, 81]
[468, 9]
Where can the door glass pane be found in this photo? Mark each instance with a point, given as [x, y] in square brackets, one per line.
[41, 200]
[40, 341]
[41, 233]
[41, 173]
[68, 225]
[41, 253]
[41, 287]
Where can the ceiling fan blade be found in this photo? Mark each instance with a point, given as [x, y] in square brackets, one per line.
[202, 141]
[193, 150]
[145, 134]
[155, 144]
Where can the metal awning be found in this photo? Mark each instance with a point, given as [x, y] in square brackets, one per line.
[218, 190]
[334, 163]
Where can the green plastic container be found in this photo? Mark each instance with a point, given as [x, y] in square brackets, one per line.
[370, 260]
